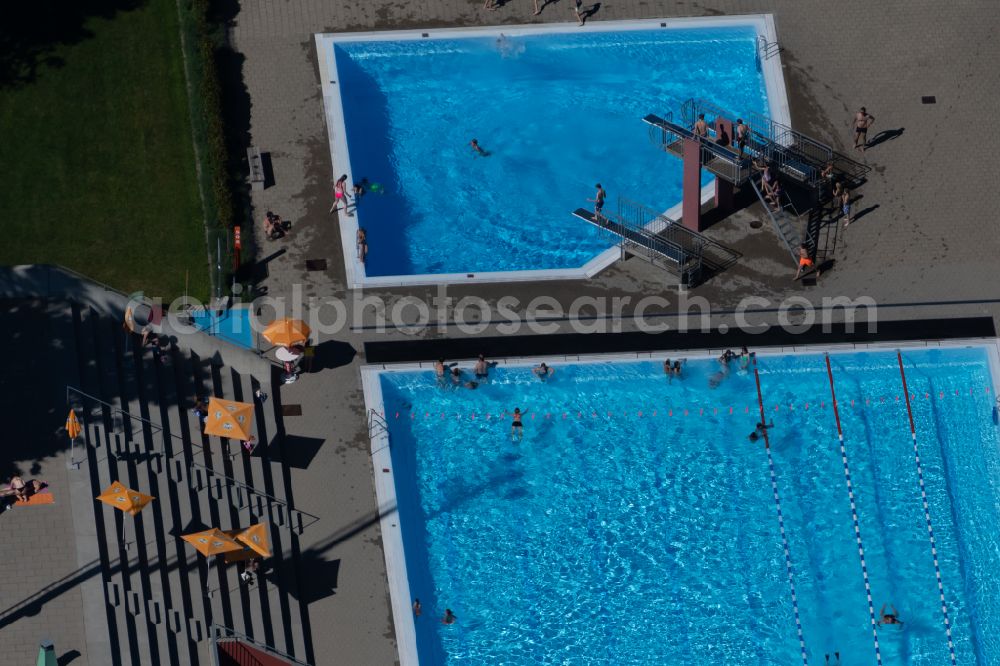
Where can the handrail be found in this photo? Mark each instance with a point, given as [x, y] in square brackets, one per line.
[766, 49]
[728, 165]
[774, 221]
[250, 489]
[160, 429]
[218, 632]
[375, 420]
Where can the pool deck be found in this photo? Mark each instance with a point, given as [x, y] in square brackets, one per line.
[925, 246]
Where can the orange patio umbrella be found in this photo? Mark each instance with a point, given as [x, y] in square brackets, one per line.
[287, 332]
[228, 418]
[72, 425]
[128, 500]
[257, 538]
[212, 542]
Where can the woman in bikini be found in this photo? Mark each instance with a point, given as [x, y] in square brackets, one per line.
[340, 193]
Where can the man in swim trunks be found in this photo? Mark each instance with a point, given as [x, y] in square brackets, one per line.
[889, 618]
[477, 149]
[862, 121]
[742, 133]
[516, 427]
[700, 126]
[599, 201]
[805, 261]
[482, 368]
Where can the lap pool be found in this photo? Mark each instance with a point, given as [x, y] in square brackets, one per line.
[557, 108]
[636, 523]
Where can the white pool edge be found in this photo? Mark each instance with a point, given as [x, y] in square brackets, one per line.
[385, 485]
[356, 275]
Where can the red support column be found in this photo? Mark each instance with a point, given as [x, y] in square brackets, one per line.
[691, 193]
[724, 191]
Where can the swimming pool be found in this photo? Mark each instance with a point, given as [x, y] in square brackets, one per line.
[557, 108]
[636, 523]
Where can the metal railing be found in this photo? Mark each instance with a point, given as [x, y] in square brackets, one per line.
[157, 428]
[290, 511]
[720, 160]
[788, 234]
[376, 423]
[221, 634]
[765, 49]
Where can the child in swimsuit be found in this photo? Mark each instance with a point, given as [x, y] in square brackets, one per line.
[516, 427]
[340, 193]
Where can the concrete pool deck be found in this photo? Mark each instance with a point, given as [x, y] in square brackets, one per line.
[928, 250]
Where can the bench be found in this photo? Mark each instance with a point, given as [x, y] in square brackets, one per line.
[256, 168]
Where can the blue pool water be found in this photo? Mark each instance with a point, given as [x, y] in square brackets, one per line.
[557, 112]
[640, 528]
[233, 325]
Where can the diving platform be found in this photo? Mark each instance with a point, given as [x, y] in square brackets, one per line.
[663, 242]
[723, 161]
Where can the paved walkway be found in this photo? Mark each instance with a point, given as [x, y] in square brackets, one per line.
[40, 593]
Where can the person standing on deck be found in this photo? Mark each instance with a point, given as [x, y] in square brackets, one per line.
[700, 126]
[742, 132]
[862, 121]
[598, 200]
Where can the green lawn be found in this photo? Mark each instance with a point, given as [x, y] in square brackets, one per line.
[97, 161]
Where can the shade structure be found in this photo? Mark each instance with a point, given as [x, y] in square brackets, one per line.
[72, 425]
[128, 500]
[257, 538]
[287, 332]
[228, 418]
[212, 542]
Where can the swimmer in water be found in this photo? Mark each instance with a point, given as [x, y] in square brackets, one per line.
[516, 427]
[477, 149]
[760, 430]
[543, 371]
[889, 618]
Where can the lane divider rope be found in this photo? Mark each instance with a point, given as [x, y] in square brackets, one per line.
[781, 521]
[854, 515]
[927, 512]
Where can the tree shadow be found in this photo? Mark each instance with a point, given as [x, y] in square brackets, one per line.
[30, 32]
[883, 136]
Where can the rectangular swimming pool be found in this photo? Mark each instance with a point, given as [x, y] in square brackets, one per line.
[636, 523]
[557, 108]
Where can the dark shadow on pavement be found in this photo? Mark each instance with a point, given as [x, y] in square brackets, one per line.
[864, 212]
[67, 657]
[297, 451]
[587, 13]
[883, 136]
[332, 354]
